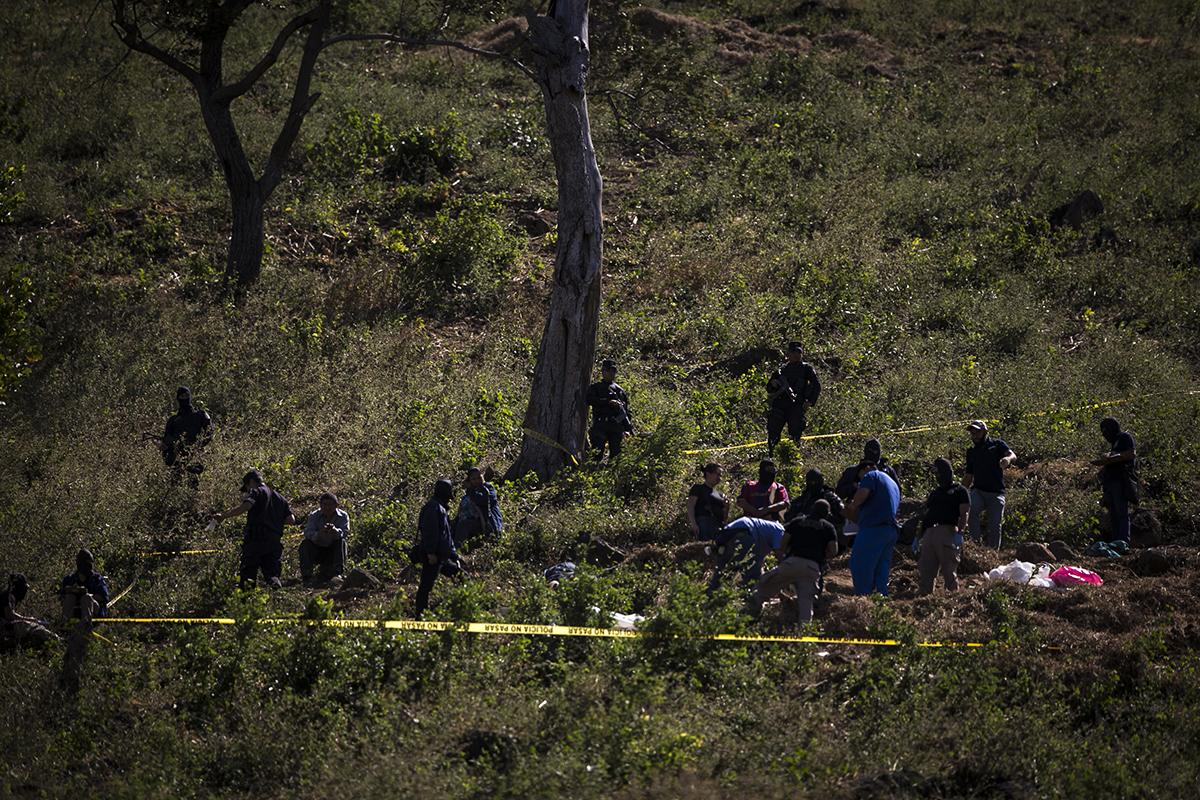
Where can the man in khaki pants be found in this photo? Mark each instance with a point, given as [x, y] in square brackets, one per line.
[808, 543]
[946, 511]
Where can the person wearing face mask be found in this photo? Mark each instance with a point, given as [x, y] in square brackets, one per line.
[188, 431]
[84, 592]
[946, 511]
[435, 543]
[816, 489]
[764, 498]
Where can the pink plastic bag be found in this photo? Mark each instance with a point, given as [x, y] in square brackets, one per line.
[1075, 576]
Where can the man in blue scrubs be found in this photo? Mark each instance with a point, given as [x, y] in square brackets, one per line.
[874, 508]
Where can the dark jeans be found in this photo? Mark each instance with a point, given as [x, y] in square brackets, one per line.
[792, 417]
[257, 554]
[429, 573]
[708, 528]
[1116, 500]
[607, 433]
[331, 560]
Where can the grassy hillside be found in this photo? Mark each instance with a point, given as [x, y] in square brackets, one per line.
[875, 179]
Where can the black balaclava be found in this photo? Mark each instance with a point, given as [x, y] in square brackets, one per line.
[84, 562]
[945, 473]
[443, 492]
[814, 481]
[766, 471]
[183, 396]
[1110, 429]
[872, 450]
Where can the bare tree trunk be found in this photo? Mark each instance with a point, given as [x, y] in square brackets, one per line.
[244, 261]
[564, 365]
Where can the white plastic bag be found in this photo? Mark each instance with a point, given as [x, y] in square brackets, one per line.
[626, 622]
[1015, 571]
[1041, 578]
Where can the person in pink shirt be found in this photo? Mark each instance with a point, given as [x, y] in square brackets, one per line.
[764, 498]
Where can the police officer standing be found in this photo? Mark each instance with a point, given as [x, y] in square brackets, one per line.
[791, 389]
[186, 434]
[611, 420]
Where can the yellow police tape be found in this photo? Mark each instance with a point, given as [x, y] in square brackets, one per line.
[947, 425]
[506, 629]
[544, 439]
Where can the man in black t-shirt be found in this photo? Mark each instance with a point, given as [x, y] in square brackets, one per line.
[987, 459]
[946, 511]
[267, 511]
[706, 506]
[814, 490]
[808, 543]
[1118, 476]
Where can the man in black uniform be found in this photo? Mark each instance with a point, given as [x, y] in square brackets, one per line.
[186, 434]
[791, 389]
[435, 542]
[814, 490]
[611, 420]
[1118, 476]
[267, 511]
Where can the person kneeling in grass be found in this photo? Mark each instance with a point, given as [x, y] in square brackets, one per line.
[808, 543]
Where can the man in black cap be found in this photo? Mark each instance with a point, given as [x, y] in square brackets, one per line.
[435, 542]
[611, 420]
[987, 458]
[1118, 476]
[267, 511]
[791, 389]
[187, 433]
[84, 592]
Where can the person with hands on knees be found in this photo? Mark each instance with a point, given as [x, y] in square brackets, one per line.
[946, 511]
[267, 512]
[323, 550]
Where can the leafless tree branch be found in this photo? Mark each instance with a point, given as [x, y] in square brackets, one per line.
[234, 90]
[404, 41]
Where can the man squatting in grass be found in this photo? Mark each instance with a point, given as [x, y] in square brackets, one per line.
[874, 508]
[987, 459]
[267, 511]
[323, 550]
[745, 543]
[808, 543]
[946, 511]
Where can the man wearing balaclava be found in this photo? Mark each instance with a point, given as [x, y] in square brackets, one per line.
[435, 542]
[188, 431]
[946, 511]
[84, 592]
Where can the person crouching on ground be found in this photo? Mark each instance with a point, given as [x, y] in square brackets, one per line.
[435, 541]
[946, 511]
[84, 592]
[808, 543]
[745, 543]
[323, 550]
[267, 511]
[16, 628]
[874, 508]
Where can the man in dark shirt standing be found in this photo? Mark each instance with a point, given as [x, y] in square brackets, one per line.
[187, 433]
[946, 511]
[435, 542]
[791, 389]
[267, 511]
[808, 543]
[987, 459]
[1118, 476]
[611, 420]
